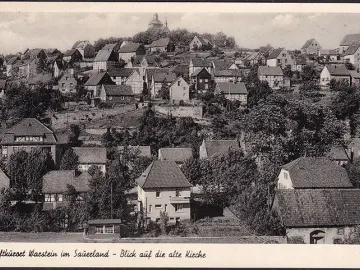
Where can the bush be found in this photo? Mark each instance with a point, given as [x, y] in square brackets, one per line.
[180, 229]
[295, 240]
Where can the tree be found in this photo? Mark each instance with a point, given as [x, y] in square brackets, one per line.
[70, 160]
[288, 72]
[230, 42]
[220, 39]
[309, 89]
[164, 92]
[353, 170]
[74, 134]
[308, 73]
[17, 173]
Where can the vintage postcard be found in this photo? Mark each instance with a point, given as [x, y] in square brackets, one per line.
[201, 128]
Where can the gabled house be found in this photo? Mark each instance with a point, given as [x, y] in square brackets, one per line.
[55, 187]
[162, 45]
[334, 72]
[177, 155]
[105, 60]
[150, 72]
[135, 82]
[266, 50]
[112, 47]
[120, 75]
[352, 54]
[227, 75]
[179, 90]
[299, 63]
[13, 62]
[254, 58]
[55, 64]
[85, 48]
[347, 41]
[329, 56]
[220, 64]
[116, 94]
[34, 53]
[91, 156]
[233, 91]
[200, 43]
[130, 50]
[94, 83]
[163, 187]
[311, 172]
[142, 63]
[279, 58]
[210, 148]
[160, 79]
[311, 46]
[72, 56]
[201, 79]
[4, 180]
[28, 134]
[272, 75]
[318, 216]
[67, 84]
[199, 63]
[355, 77]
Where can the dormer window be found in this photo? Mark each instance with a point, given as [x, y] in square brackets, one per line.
[286, 175]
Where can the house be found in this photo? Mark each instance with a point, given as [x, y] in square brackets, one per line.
[279, 58]
[162, 45]
[233, 91]
[11, 63]
[347, 41]
[142, 63]
[91, 156]
[160, 79]
[4, 180]
[44, 79]
[200, 43]
[116, 94]
[312, 172]
[149, 75]
[352, 54]
[318, 216]
[112, 47]
[355, 77]
[227, 75]
[311, 46]
[209, 148]
[55, 63]
[178, 155]
[339, 155]
[199, 63]
[135, 82]
[130, 50]
[329, 56]
[28, 134]
[142, 151]
[120, 75]
[334, 72]
[163, 187]
[220, 64]
[56, 183]
[34, 53]
[93, 84]
[272, 75]
[266, 50]
[299, 63]
[181, 70]
[52, 52]
[201, 79]
[254, 58]
[104, 60]
[72, 56]
[179, 90]
[104, 227]
[67, 84]
[85, 48]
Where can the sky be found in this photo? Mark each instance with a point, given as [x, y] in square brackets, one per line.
[21, 30]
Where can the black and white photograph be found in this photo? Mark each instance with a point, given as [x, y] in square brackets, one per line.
[180, 127]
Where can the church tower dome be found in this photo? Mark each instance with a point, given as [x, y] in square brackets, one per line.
[155, 22]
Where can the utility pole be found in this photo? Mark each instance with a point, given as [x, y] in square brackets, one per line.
[111, 199]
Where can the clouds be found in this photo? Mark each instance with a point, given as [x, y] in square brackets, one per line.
[19, 31]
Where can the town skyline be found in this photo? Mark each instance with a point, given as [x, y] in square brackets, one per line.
[289, 30]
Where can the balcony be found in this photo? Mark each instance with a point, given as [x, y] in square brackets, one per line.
[179, 200]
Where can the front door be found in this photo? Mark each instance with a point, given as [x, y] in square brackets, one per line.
[317, 237]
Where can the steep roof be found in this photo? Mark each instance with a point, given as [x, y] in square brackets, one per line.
[354, 74]
[321, 207]
[80, 44]
[352, 49]
[149, 59]
[110, 46]
[151, 71]
[130, 47]
[203, 41]
[197, 72]
[162, 42]
[232, 88]
[275, 53]
[95, 79]
[70, 52]
[227, 73]
[163, 77]
[253, 56]
[56, 181]
[337, 153]
[221, 64]
[311, 172]
[118, 90]
[103, 55]
[270, 71]
[307, 43]
[350, 39]
[163, 174]
[218, 147]
[29, 127]
[144, 151]
[175, 154]
[120, 72]
[338, 70]
[199, 62]
[90, 155]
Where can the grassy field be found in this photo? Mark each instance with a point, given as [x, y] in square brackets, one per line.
[78, 238]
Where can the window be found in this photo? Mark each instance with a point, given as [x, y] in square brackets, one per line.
[99, 229]
[206, 86]
[4, 151]
[165, 207]
[122, 98]
[60, 198]
[177, 193]
[47, 198]
[150, 208]
[340, 231]
[63, 85]
[206, 80]
[109, 229]
[200, 80]
[158, 206]
[71, 84]
[285, 60]
[16, 149]
[179, 83]
[158, 193]
[285, 175]
[178, 207]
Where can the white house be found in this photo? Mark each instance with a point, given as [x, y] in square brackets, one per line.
[91, 156]
[279, 58]
[179, 90]
[334, 72]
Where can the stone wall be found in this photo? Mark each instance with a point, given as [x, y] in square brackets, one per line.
[180, 111]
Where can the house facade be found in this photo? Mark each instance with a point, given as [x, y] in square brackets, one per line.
[201, 79]
[179, 90]
[105, 60]
[135, 82]
[228, 75]
[311, 46]
[91, 156]
[347, 41]
[209, 148]
[334, 72]
[199, 43]
[164, 188]
[162, 45]
[94, 83]
[67, 84]
[198, 64]
[352, 54]
[116, 94]
[120, 75]
[279, 58]
[160, 79]
[272, 75]
[130, 50]
[233, 91]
